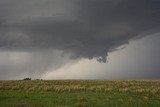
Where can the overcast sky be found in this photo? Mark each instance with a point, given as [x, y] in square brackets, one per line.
[80, 39]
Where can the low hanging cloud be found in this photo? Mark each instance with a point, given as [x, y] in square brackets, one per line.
[79, 28]
[85, 28]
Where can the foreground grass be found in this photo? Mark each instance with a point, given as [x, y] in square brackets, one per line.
[80, 93]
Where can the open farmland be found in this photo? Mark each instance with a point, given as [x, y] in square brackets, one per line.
[79, 93]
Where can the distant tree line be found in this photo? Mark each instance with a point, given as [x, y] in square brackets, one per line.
[28, 79]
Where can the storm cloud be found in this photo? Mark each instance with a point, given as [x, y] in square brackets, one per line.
[86, 28]
[81, 28]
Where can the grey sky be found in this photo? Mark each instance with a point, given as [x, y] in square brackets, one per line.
[48, 34]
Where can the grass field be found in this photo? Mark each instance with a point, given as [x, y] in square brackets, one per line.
[80, 93]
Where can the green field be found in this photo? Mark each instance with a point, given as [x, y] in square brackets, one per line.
[80, 93]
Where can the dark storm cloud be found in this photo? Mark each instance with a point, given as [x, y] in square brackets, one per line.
[85, 28]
